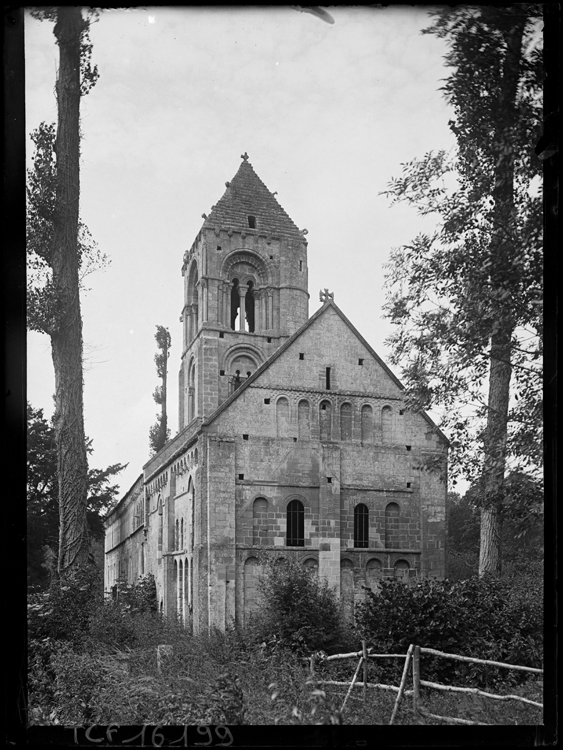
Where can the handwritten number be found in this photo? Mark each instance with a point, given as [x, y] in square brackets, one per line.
[206, 730]
[226, 731]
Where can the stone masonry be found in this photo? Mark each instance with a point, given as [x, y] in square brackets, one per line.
[294, 440]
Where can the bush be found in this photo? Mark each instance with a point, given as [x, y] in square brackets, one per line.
[63, 611]
[298, 611]
[484, 618]
[130, 620]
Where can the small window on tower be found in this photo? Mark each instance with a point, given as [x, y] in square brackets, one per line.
[218, 248]
[327, 379]
[300, 265]
[221, 335]
[221, 372]
[252, 222]
[301, 355]
[360, 361]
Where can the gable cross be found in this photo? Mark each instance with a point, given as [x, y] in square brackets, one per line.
[244, 156]
[325, 295]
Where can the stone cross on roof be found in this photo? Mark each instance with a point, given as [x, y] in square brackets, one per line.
[244, 156]
[325, 295]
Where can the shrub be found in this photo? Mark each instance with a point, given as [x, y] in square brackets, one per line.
[297, 610]
[480, 617]
[63, 611]
[131, 619]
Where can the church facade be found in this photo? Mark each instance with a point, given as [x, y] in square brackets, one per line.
[294, 440]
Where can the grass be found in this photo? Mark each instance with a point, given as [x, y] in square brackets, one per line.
[220, 679]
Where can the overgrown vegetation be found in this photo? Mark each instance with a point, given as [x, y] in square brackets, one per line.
[485, 618]
[92, 662]
[298, 611]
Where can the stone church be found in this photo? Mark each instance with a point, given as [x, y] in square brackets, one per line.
[294, 440]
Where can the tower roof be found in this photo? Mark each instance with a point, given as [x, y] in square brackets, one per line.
[246, 195]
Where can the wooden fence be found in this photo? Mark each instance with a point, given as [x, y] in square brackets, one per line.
[413, 656]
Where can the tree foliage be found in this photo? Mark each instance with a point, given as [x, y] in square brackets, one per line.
[467, 298]
[159, 432]
[42, 496]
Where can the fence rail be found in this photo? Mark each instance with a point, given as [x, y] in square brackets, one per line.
[413, 657]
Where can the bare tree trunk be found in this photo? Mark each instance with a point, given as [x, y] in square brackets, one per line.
[490, 558]
[66, 342]
[502, 252]
[164, 422]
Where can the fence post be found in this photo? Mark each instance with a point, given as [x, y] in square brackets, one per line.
[352, 683]
[365, 653]
[416, 681]
[402, 684]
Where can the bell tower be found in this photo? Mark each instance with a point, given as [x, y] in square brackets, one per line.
[245, 292]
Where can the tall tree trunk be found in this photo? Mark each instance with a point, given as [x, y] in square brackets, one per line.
[502, 252]
[66, 342]
[164, 421]
[490, 557]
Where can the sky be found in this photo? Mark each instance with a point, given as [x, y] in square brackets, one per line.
[327, 113]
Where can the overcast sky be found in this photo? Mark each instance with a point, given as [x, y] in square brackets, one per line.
[327, 114]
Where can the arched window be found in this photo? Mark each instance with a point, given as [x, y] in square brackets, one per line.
[373, 575]
[191, 392]
[392, 512]
[347, 592]
[160, 526]
[191, 313]
[260, 521]
[187, 574]
[251, 573]
[303, 420]
[191, 487]
[386, 424]
[177, 586]
[311, 566]
[249, 307]
[240, 369]
[235, 305]
[401, 570]
[367, 424]
[361, 526]
[295, 530]
[325, 420]
[282, 417]
[346, 422]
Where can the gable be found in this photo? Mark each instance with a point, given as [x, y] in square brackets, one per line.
[327, 339]
[330, 343]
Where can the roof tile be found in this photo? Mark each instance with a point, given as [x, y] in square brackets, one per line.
[246, 195]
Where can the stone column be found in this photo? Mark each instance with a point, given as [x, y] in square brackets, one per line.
[270, 316]
[242, 290]
[258, 305]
